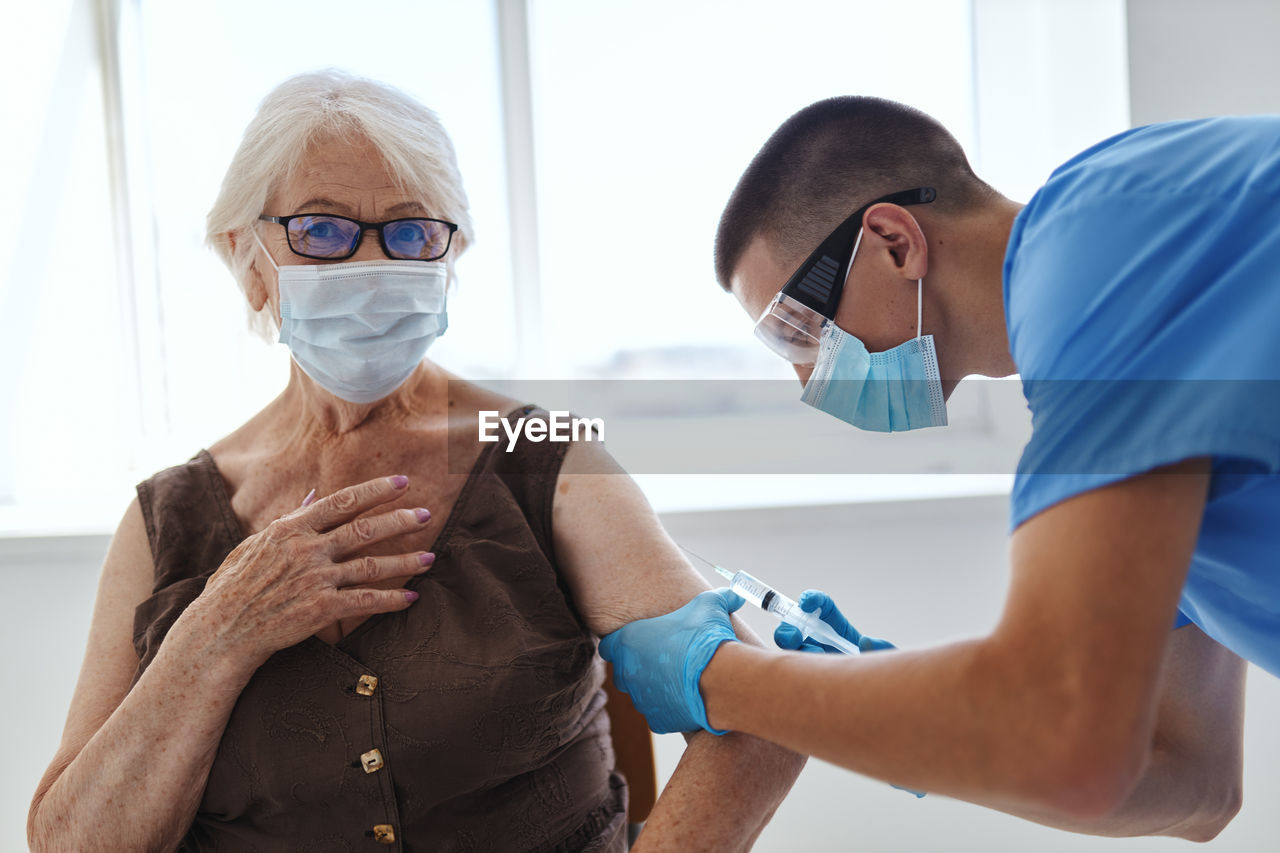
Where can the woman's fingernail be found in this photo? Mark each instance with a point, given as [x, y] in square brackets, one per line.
[426, 558]
[410, 596]
[399, 481]
[422, 514]
[311, 495]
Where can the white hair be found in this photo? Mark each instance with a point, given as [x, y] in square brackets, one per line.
[322, 105]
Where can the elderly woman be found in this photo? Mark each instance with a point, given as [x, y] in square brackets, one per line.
[408, 660]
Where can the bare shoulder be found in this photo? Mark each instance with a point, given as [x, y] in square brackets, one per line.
[129, 559]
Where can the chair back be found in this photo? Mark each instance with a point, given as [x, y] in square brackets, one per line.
[633, 750]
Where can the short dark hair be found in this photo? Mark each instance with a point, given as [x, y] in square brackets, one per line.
[829, 159]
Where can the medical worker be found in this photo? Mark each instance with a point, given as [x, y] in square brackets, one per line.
[1138, 296]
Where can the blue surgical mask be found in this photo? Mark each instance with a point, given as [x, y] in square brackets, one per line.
[360, 329]
[891, 391]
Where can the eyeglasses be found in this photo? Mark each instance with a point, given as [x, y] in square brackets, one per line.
[326, 237]
[792, 324]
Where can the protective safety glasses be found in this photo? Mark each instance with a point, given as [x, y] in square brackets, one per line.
[792, 324]
[326, 237]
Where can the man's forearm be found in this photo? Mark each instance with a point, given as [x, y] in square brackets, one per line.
[950, 720]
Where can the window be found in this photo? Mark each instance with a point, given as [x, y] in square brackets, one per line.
[647, 113]
[597, 141]
[62, 326]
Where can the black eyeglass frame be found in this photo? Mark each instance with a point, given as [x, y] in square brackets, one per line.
[380, 227]
[818, 283]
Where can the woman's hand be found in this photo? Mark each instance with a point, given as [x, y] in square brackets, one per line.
[291, 579]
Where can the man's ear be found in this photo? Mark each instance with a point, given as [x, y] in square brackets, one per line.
[903, 238]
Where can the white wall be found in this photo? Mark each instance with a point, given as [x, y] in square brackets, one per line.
[1049, 81]
[1190, 58]
[47, 588]
[916, 572]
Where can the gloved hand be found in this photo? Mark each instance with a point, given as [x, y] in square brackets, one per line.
[659, 661]
[788, 636]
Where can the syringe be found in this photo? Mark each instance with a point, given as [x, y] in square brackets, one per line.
[770, 600]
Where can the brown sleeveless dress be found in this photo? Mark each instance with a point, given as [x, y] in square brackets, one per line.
[485, 729]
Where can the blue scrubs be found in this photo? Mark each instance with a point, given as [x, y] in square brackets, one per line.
[1142, 294]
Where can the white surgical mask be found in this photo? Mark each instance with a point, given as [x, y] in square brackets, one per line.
[360, 329]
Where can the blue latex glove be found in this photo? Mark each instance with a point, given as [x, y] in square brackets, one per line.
[659, 661]
[788, 636]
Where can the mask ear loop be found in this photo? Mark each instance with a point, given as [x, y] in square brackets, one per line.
[253, 229]
[854, 254]
[919, 305]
